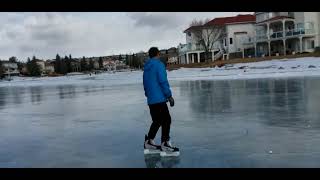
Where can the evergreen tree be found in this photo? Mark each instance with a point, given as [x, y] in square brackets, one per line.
[1, 70]
[100, 63]
[57, 64]
[13, 59]
[127, 59]
[133, 60]
[63, 67]
[20, 65]
[68, 63]
[83, 64]
[33, 68]
[91, 65]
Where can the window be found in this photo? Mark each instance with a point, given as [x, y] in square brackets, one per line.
[189, 33]
[230, 40]
[300, 26]
[225, 42]
[310, 44]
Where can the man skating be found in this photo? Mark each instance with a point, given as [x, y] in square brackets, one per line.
[158, 93]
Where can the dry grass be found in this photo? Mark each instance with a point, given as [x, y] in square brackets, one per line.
[234, 61]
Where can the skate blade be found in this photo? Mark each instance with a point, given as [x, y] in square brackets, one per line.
[149, 151]
[169, 154]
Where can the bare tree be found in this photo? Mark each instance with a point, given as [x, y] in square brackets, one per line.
[207, 34]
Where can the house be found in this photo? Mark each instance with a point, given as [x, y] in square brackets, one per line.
[49, 67]
[96, 64]
[10, 68]
[110, 65]
[172, 56]
[41, 64]
[237, 28]
[182, 49]
[24, 69]
[105, 62]
[283, 33]
[75, 65]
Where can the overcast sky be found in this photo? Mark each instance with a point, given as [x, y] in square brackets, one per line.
[92, 34]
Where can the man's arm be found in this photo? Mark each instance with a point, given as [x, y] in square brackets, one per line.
[163, 80]
[144, 87]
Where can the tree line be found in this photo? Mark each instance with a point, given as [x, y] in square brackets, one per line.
[64, 65]
[135, 60]
[138, 60]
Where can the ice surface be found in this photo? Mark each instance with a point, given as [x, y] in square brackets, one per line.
[100, 120]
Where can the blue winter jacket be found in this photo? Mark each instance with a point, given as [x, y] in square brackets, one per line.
[155, 82]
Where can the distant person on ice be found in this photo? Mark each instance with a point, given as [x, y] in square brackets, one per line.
[158, 93]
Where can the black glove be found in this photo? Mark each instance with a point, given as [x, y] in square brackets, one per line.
[171, 101]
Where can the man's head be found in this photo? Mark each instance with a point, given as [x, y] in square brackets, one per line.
[154, 52]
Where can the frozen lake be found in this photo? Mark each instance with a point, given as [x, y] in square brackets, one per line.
[224, 123]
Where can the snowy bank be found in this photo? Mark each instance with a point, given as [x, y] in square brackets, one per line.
[283, 68]
[309, 66]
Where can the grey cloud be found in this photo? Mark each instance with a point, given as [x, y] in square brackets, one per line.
[91, 34]
[53, 35]
[11, 35]
[26, 48]
[51, 28]
[163, 20]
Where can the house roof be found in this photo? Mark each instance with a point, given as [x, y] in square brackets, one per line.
[276, 18]
[241, 18]
[49, 64]
[192, 28]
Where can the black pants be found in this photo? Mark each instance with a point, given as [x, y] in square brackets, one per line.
[160, 117]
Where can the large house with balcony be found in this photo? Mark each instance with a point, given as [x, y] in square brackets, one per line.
[10, 68]
[284, 33]
[238, 28]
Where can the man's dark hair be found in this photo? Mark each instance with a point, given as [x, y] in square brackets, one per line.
[153, 52]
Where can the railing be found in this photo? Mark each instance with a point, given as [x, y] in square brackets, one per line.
[196, 48]
[276, 35]
[301, 31]
[11, 72]
[218, 55]
[281, 34]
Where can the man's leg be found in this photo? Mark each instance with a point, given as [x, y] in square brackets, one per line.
[156, 120]
[166, 123]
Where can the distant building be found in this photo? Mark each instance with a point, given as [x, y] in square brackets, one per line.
[49, 67]
[237, 29]
[282, 33]
[10, 68]
[75, 65]
[41, 64]
[96, 64]
[172, 56]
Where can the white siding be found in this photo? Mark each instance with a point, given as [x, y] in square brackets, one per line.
[299, 17]
[232, 28]
[314, 18]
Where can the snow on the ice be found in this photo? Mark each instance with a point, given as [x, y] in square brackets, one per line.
[309, 66]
